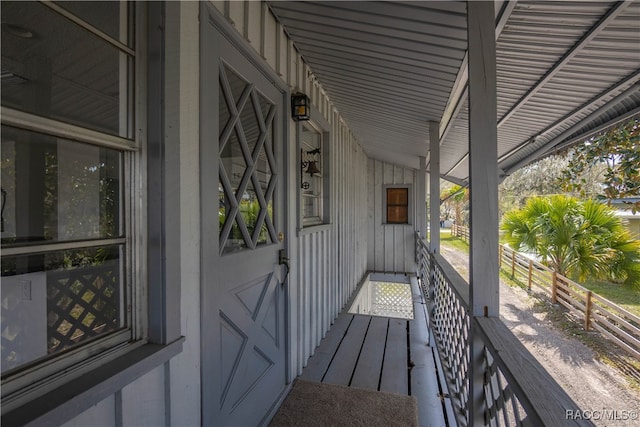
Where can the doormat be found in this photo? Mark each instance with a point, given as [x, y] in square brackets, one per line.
[319, 404]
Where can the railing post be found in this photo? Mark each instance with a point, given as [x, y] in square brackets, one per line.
[530, 273]
[513, 263]
[554, 287]
[587, 312]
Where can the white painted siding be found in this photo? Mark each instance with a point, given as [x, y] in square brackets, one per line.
[330, 261]
[103, 414]
[143, 402]
[184, 369]
[391, 246]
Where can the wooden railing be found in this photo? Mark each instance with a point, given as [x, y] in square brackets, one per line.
[595, 312]
[517, 390]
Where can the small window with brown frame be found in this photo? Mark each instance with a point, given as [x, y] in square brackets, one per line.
[398, 205]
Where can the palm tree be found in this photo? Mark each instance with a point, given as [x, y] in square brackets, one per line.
[457, 196]
[578, 239]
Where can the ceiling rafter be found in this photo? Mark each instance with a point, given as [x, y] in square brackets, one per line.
[576, 49]
[559, 139]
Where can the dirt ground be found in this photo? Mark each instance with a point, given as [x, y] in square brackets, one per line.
[593, 385]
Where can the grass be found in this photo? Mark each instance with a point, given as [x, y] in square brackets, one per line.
[563, 320]
[452, 241]
[624, 296]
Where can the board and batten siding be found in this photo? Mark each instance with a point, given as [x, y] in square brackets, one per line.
[330, 259]
[391, 247]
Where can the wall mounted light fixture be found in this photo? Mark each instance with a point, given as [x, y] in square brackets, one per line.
[300, 107]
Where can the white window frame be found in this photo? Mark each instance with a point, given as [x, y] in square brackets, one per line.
[318, 123]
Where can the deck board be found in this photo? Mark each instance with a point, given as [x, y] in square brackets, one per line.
[367, 372]
[319, 363]
[344, 363]
[395, 376]
[374, 352]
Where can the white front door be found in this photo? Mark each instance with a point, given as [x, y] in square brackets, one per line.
[243, 322]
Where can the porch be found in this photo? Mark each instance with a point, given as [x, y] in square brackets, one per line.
[217, 315]
[429, 357]
[386, 354]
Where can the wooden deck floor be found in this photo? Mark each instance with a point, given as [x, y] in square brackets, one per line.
[386, 354]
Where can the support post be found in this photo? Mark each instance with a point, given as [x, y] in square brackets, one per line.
[483, 158]
[483, 180]
[421, 198]
[434, 186]
[530, 274]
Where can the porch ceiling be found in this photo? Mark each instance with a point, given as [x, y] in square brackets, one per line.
[564, 71]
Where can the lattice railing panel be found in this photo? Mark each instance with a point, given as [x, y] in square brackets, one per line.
[450, 322]
[502, 406]
[82, 303]
[424, 266]
[392, 300]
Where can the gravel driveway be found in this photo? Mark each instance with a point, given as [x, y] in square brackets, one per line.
[593, 385]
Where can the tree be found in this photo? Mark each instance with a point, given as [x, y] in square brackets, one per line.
[456, 198]
[575, 238]
[545, 177]
[619, 150]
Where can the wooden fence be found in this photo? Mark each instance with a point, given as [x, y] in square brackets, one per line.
[596, 313]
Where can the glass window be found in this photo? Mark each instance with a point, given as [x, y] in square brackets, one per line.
[104, 15]
[311, 173]
[56, 69]
[397, 205]
[64, 262]
[57, 300]
[246, 188]
[57, 190]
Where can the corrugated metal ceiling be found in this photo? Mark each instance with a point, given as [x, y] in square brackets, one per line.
[563, 70]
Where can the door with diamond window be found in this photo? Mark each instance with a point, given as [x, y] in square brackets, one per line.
[243, 308]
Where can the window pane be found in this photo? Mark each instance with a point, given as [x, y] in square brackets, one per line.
[398, 205]
[247, 143]
[397, 215]
[56, 300]
[104, 15]
[397, 196]
[54, 68]
[312, 175]
[58, 190]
